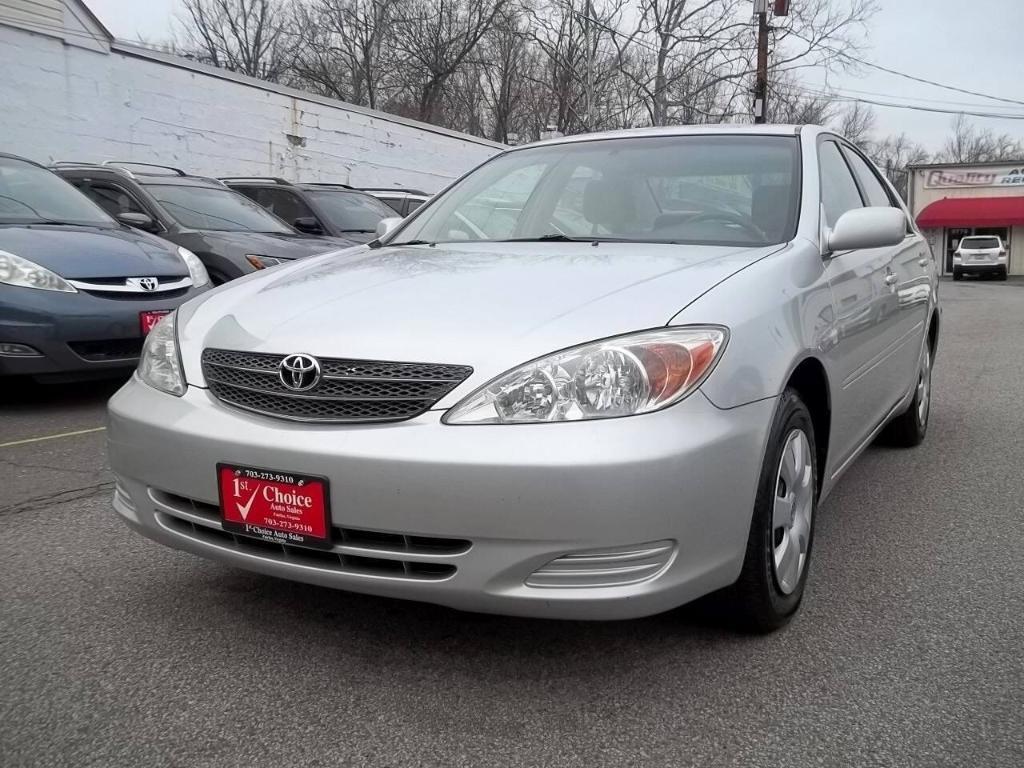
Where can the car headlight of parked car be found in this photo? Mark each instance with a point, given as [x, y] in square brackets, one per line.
[262, 262]
[23, 273]
[620, 376]
[196, 270]
[160, 364]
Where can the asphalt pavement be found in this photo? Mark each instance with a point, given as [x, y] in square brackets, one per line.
[909, 651]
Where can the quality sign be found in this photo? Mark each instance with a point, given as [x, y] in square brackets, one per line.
[994, 178]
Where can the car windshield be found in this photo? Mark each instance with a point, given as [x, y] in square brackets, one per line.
[715, 190]
[350, 211]
[214, 208]
[33, 195]
[980, 242]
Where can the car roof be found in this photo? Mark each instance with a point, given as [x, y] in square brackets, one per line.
[9, 156]
[138, 172]
[394, 190]
[714, 129]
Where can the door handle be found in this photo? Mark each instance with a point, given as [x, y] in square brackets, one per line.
[891, 278]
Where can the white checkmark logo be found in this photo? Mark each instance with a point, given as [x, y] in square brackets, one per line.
[243, 509]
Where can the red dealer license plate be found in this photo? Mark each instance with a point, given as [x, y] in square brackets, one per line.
[281, 507]
[150, 318]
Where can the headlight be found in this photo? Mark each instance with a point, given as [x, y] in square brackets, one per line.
[262, 262]
[622, 376]
[160, 365]
[23, 273]
[196, 270]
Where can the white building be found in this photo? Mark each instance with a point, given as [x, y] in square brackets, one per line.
[954, 200]
[70, 91]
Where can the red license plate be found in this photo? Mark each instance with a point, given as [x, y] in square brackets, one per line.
[281, 507]
[150, 318]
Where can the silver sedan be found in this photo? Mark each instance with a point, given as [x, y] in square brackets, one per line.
[596, 378]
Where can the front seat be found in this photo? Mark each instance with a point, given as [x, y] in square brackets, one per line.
[609, 204]
[771, 211]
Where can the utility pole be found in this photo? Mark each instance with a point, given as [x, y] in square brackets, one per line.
[761, 9]
[590, 68]
[761, 83]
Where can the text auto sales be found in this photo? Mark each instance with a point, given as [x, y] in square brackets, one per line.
[1014, 177]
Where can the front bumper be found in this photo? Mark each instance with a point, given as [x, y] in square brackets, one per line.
[518, 496]
[105, 331]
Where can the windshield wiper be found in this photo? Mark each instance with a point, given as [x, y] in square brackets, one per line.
[358, 230]
[413, 242]
[553, 237]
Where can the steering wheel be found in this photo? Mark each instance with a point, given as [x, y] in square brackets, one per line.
[730, 218]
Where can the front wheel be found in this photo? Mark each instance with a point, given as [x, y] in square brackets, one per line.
[771, 584]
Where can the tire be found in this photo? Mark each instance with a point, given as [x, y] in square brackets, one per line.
[771, 585]
[1003, 275]
[910, 427]
[958, 275]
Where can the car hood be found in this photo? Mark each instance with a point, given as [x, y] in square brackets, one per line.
[487, 305]
[82, 253]
[282, 246]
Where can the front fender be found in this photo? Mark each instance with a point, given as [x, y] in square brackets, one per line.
[779, 312]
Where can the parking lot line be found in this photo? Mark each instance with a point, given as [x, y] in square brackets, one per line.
[51, 437]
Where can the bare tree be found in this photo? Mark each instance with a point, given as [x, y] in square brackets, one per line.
[790, 103]
[247, 36]
[348, 47]
[856, 123]
[436, 37]
[969, 144]
[893, 154]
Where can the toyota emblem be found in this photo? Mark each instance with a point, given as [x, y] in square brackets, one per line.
[143, 283]
[299, 372]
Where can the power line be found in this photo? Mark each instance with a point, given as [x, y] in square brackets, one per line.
[879, 67]
[838, 95]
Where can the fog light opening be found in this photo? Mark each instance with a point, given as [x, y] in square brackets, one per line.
[10, 349]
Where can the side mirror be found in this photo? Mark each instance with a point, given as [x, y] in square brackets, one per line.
[309, 225]
[874, 227]
[387, 226]
[139, 221]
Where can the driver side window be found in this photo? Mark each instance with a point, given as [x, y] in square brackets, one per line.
[839, 192]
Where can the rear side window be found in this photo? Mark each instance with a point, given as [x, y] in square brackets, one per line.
[839, 192]
[869, 181]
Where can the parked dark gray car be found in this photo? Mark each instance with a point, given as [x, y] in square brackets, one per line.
[230, 234]
[78, 290]
[316, 208]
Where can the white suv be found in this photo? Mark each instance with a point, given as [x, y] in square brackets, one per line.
[980, 255]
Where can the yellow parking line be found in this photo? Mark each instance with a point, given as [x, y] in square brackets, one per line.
[52, 437]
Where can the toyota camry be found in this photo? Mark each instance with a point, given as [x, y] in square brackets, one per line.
[596, 378]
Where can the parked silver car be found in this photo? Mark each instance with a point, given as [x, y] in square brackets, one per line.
[597, 378]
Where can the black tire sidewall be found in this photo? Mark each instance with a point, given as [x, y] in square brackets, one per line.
[791, 414]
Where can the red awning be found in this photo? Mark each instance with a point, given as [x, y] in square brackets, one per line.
[973, 212]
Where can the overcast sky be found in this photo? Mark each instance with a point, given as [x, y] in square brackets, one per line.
[972, 44]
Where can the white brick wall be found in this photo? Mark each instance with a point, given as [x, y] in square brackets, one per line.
[63, 102]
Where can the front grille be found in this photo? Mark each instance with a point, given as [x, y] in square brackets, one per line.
[348, 391]
[109, 349]
[354, 550]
